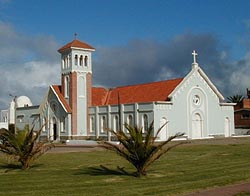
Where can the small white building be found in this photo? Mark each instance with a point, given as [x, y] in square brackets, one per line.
[77, 110]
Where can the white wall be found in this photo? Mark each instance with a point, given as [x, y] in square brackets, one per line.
[180, 114]
[4, 125]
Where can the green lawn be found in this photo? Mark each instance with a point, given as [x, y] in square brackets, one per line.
[185, 169]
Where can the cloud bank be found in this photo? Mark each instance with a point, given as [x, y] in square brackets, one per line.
[29, 64]
[143, 61]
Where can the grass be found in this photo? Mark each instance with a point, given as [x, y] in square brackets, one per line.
[187, 168]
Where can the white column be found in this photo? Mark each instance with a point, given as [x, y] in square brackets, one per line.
[109, 123]
[51, 129]
[97, 122]
[12, 112]
[122, 116]
[136, 114]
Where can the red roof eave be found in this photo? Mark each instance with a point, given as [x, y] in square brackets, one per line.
[76, 44]
[56, 89]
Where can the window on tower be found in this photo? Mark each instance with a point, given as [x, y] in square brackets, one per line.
[65, 62]
[76, 59]
[66, 87]
[69, 61]
[86, 61]
[81, 60]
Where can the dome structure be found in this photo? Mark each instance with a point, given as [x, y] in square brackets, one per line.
[23, 101]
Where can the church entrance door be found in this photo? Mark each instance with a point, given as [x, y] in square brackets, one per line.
[54, 129]
[197, 126]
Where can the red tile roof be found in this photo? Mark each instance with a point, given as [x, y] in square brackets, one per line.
[77, 44]
[149, 92]
[57, 90]
[99, 96]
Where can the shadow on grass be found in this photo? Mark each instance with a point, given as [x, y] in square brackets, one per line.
[102, 170]
[10, 167]
[13, 167]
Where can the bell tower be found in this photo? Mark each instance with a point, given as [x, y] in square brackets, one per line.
[76, 82]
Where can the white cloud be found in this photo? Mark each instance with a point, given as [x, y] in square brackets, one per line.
[29, 64]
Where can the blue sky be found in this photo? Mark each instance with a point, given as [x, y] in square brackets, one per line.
[115, 22]
[155, 38]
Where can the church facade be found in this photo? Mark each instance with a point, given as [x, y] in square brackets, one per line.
[77, 110]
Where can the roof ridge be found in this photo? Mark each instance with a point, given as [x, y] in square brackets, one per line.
[147, 83]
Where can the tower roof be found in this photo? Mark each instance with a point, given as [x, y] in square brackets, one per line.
[76, 44]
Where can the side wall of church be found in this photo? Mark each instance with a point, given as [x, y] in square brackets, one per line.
[115, 116]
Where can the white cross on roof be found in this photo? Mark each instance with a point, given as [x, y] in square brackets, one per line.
[194, 56]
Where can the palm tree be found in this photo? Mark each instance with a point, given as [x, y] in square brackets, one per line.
[235, 98]
[23, 145]
[141, 151]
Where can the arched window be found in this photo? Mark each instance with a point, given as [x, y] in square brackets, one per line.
[81, 60]
[86, 61]
[130, 120]
[66, 86]
[63, 124]
[69, 60]
[116, 123]
[104, 124]
[145, 122]
[54, 107]
[43, 124]
[76, 59]
[63, 63]
[92, 124]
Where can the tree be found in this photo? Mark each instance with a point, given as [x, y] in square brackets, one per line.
[23, 145]
[141, 151]
[235, 98]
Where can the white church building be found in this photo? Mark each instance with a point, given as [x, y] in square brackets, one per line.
[77, 110]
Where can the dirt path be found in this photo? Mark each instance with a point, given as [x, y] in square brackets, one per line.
[75, 148]
[229, 190]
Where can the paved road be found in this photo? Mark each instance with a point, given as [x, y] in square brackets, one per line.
[229, 190]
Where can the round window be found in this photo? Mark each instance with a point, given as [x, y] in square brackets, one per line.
[196, 100]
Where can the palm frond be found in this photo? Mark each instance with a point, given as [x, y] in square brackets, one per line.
[141, 151]
[23, 145]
